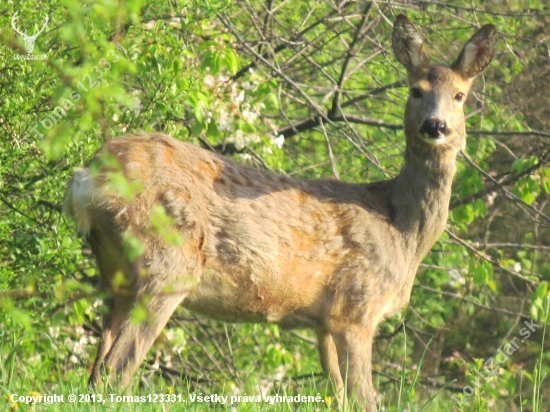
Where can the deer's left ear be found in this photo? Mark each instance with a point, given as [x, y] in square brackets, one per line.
[477, 52]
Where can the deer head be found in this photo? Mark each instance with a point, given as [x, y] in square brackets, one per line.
[434, 114]
[29, 40]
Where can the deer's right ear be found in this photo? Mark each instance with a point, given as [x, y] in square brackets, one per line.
[408, 45]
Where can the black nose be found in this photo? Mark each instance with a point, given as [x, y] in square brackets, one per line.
[434, 128]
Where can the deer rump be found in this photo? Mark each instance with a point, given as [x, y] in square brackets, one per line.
[257, 247]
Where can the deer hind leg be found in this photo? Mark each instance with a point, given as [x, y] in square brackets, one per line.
[135, 338]
[111, 263]
[329, 362]
[119, 308]
[125, 341]
[354, 347]
[153, 283]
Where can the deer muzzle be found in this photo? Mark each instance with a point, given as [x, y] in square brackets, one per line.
[434, 128]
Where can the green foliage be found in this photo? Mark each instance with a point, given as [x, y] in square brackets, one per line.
[539, 302]
[217, 55]
[482, 274]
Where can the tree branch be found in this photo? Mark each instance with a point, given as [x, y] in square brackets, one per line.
[487, 258]
[313, 122]
[512, 178]
[349, 55]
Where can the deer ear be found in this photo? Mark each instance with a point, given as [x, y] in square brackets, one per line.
[408, 45]
[477, 52]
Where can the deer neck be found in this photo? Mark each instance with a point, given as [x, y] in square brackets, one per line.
[421, 195]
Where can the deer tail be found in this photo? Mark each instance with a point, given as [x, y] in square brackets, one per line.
[79, 198]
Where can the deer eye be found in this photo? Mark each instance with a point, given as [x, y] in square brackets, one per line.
[416, 93]
[459, 97]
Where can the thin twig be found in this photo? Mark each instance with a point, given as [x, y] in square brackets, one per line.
[330, 154]
[487, 258]
[473, 302]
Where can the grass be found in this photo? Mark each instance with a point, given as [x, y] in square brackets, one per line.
[20, 376]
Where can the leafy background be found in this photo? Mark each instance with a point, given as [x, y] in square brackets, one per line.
[303, 88]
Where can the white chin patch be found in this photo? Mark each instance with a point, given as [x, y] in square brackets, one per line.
[437, 141]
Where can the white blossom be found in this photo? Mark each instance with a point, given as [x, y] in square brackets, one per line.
[278, 141]
[455, 278]
[240, 97]
[209, 80]
[249, 115]
[224, 122]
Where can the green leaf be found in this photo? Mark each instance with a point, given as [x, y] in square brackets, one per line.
[133, 246]
[546, 181]
[231, 61]
[521, 165]
[528, 197]
[20, 317]
[139, 314]
[542, 290]
[79, 309]
[483, 274]
[511, 385]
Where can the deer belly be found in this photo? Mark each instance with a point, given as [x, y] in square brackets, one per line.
[244, 299]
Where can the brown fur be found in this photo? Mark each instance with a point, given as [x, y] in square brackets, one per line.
[258, 247]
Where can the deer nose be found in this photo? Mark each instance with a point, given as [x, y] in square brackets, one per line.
[434, 128]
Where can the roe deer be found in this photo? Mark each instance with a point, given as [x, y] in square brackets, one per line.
[333, 256]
